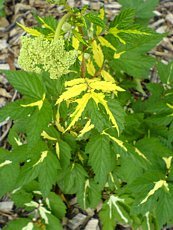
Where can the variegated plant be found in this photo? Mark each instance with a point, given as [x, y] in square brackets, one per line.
[84, 125]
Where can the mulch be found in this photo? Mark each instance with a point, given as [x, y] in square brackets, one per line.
[22, 11]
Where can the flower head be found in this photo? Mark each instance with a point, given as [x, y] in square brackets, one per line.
[39, 54]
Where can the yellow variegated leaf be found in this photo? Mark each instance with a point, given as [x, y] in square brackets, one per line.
[18, 142]
[47, 136]
[73, 82]
[105, 86]
[171, 107]
[158, 185]
[112, 202]
[29, 30]
[119, 142]
[140, 153]
[88, 126]
[82, 102]
[75, 43]
[90, 68]
[6, 162]
[99, 98]
[134, 32]
[115, 31]
[98, 54]
[57, 122]
[43, 156]
[45, 24]
[101, 15]
[57, 150]
[118, 55]
[80, 157]
[168, 161]
[106, 43]
[74, 91]
[37, 103]
[106, 76]
[80, 57]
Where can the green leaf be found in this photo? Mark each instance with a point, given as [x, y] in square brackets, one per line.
[141, 64]
[100, 157]
[147, 190]
[144, 9]
[40, 119]
[17, 224]
[72, 179]
[107, 222]
[8, 169]
[95, 19]
[29, 84]
[96, 116]
[165, 72]
[2, 13]
[44, 165]
[48, 173]
[118, 112]
[90, 195]
[163, 209]
[56, 205]
[54, 223]
[14, 110]
[114, 211]
[123, 19]
[65, 154]
[21, 197]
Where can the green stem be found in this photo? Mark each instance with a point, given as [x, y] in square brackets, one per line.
[60, 24]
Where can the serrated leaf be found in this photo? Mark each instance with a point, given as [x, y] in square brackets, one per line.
[165, 72]
[56, 205]
[21, 197]
[71, 92]
[31, 31]
[43, 165]
[29, 84]
[113, 211]
[90, 195]
[100, 157]
[17, 224]
[72, 180]
[106, 43]
[40, 119]
[106, 76]
[163, 210]
[54, 223]
[75, 43]
[90, 68]
[95, 19]
[144, 9]
[65, 154]
[82, 102]
[96, 116]
[48, 173]
[101, 15]
[99, 98]
[124, 18]
[97, 54]
[88, 127]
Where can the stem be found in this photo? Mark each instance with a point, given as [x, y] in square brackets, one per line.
[83, 64]
[60, 24]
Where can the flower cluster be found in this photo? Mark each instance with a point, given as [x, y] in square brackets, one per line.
[39, 54]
